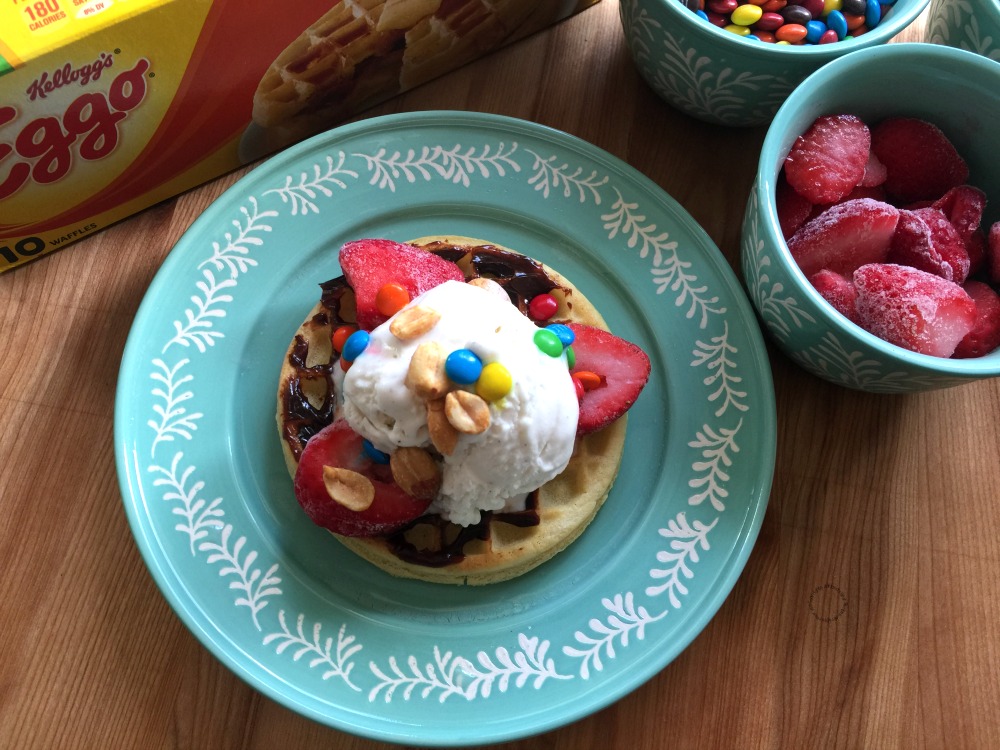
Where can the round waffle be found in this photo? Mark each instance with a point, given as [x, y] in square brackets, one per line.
[503, 545]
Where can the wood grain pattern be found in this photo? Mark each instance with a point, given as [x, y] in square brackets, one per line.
[868, 615]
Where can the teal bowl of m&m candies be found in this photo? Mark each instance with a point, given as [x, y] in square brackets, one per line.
[733, 62]
[870, 245]
[972, 25]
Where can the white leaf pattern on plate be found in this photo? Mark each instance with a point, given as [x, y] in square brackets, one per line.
[458, 165]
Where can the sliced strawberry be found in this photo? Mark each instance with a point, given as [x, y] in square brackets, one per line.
[993, 253]
[985, 336]
[827, 161]
[913, 309]
[839, 291]
[947, 244]
[623, 369]
[920, 161]
[876, 193]
[339, 446]
[964, 206]
[370, 264]
[846, 236]
[793, 209]
[926, 240]
[875, 172]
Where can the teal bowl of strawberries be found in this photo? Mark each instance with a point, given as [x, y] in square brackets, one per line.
[870, 246]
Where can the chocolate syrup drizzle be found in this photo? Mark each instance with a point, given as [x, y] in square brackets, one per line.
[523, 279]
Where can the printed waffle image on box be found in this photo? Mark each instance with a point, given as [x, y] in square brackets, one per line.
[107, 108]
[362, 51]
[454, 411]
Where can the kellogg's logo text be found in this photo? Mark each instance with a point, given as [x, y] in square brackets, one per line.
[89, 127]
[45, 84]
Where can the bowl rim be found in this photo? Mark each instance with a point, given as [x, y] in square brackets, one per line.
[772, 155]
[894, 24]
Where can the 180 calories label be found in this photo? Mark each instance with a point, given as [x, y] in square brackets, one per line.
[41, 14]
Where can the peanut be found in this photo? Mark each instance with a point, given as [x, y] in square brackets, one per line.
[426, 376]
[467, 412]
[352, 490]
[416, 472]
[442, 434]
[413, 321]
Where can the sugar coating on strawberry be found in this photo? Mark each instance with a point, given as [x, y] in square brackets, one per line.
[947, 244]
[793, 210]
[926, 240]
[963, 205]
[985, 335]
[370, 264]
[829, 159]
[839, 291]
[921, 163]
[623, 369]
[845, 236]
[913, 309]
[338, 446]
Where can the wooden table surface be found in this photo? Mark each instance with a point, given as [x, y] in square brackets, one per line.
[868, 614]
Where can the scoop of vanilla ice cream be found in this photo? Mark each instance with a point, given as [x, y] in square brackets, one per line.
[532, 429]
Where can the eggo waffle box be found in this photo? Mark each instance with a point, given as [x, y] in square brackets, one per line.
[109, 106]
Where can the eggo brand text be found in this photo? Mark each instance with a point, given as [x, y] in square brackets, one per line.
[88, 127]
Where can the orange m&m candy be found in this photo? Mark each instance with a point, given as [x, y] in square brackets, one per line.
[340, 335]
[791, 32]
[391, 298]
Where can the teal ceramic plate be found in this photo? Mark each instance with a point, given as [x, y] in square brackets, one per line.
[299, 617]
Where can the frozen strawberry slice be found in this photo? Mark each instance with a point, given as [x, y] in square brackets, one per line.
[793, 210]
[623, 369]
[370, 264]
[985, 336]
[947, 244]
[875, 193]
[925, 239]
[913, 309]
[964, 206]
[845, 236]
[875, 172]
[920, 161]
[828, 160]
[839, 291]
[339, 446]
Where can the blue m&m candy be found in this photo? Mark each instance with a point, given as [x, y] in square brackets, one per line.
[356, 343]
[564, 332]
[463, 366]
[374, 453]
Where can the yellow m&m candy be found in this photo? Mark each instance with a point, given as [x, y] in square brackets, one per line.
[494, 382]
